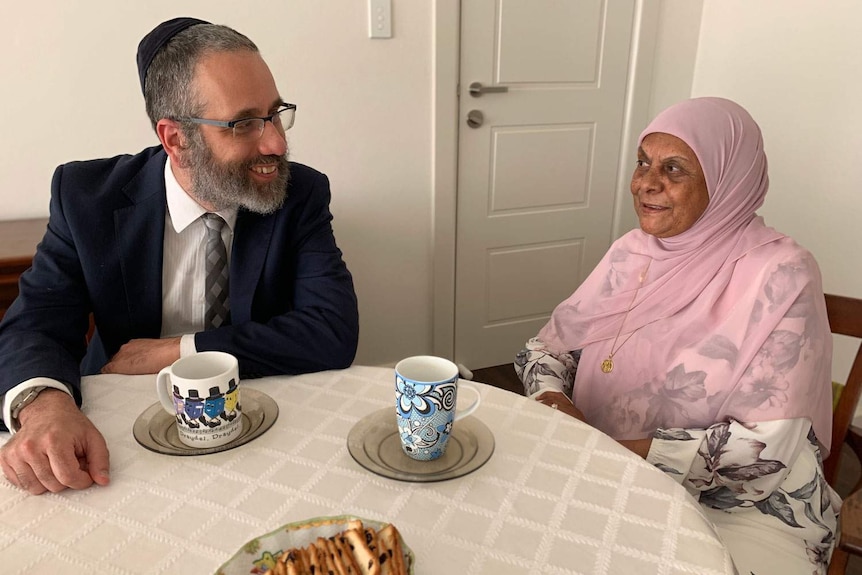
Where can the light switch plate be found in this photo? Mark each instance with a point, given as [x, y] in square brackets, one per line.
[380, 18]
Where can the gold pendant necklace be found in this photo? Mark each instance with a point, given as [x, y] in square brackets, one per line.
[608, 363]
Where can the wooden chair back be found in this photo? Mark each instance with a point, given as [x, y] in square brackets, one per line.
[845, 318]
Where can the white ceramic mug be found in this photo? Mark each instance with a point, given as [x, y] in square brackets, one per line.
[426, 391]
[202, 392]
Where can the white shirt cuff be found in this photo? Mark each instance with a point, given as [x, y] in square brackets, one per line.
[11, 397]
[187, 345]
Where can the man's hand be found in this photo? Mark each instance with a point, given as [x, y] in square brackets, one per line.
[144, 356]
[558, 400]
[56, 448]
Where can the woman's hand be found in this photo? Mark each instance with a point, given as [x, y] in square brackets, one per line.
[558, 400]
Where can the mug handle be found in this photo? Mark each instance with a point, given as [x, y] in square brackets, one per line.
[462, 384]
[162, 382]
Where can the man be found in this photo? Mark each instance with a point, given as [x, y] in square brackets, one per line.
[146, 243]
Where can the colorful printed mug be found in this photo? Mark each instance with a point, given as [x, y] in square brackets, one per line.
[426, 391]
[202, 392]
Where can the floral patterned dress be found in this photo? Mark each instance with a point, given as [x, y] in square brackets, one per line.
[761, 483]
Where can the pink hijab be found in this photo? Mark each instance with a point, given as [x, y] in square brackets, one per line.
[729, 321]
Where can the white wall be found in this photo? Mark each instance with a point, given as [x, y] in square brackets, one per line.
[797, 67]
[664, 68]
[675, 52]
[70, 91]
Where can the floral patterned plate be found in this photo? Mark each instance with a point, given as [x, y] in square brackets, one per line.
[258, 555]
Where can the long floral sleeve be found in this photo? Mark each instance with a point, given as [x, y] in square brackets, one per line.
[771, 470]
[541, 370]
[729, 464]
[771, 467]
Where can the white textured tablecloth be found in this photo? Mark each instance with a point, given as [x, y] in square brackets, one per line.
[555, 497]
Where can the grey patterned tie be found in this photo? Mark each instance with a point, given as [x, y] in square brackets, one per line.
[217, 274]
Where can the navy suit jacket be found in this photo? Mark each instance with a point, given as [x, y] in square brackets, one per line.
[292, 303]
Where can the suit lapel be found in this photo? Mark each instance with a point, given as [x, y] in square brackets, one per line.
[250, 245]
[140, 228]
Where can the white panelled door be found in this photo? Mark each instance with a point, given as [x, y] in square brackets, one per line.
[539, 147]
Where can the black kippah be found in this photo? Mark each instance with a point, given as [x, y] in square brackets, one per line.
[158, 37]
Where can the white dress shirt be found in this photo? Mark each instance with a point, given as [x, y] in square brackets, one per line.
[183, 279]
[184, 264]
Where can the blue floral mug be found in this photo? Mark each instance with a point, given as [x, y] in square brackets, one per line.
[426, 391]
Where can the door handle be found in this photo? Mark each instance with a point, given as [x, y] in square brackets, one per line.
[477, 89]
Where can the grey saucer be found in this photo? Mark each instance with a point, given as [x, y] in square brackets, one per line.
[156, 429]
[375, 444]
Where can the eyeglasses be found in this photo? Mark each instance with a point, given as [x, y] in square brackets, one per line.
[252, 128]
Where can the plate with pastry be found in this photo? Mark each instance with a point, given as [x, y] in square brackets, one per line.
[343, 544]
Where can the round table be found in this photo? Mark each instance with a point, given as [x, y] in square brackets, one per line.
[556, 496]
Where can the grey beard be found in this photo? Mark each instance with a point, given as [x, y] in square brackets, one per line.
[228, 185]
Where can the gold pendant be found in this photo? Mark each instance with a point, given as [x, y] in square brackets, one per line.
[608, 365]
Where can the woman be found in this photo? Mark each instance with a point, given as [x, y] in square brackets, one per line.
[701, 342]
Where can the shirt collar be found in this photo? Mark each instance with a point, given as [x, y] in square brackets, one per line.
[183, 209]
